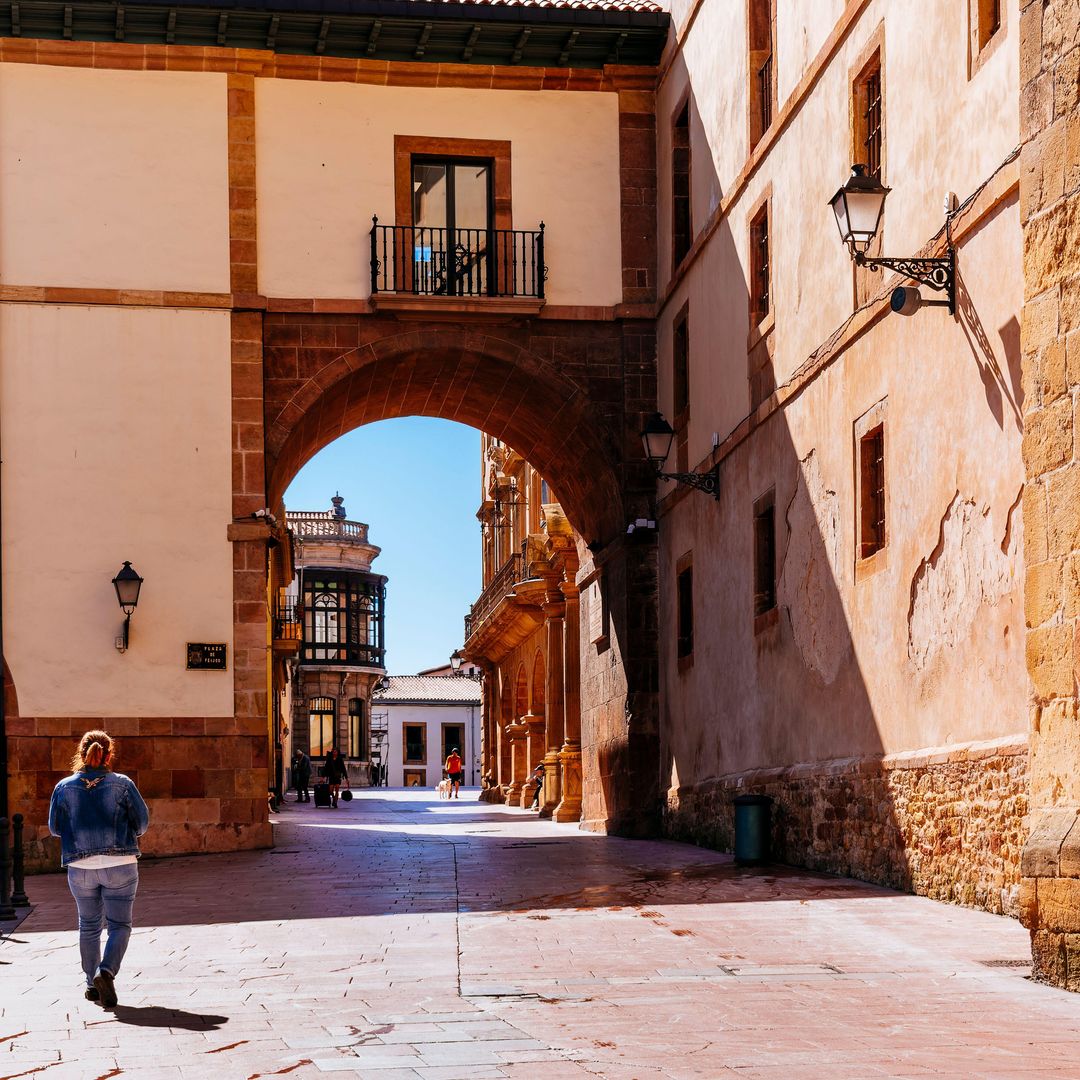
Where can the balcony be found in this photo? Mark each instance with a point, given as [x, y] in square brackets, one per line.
[288, 629]
[458, 269]
[502, 584]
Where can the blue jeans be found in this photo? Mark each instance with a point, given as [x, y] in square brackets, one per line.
[103, 897]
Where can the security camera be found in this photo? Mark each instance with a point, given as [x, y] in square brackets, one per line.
[905, 300]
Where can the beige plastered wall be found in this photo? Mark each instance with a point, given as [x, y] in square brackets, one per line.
[113, 179]
[116, 432]
[927, 650]
[325, 156]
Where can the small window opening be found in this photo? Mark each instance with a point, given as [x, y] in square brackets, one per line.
[764, 558]
[759, 265]
[989, 20]
[872, 492]
[870, 117]
[685, 592]
[680, 186]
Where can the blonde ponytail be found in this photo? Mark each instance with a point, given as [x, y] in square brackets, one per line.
[95, 749]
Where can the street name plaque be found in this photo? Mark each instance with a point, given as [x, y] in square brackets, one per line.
[206, 656]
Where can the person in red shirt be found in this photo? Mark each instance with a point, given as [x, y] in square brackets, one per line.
[455, 770]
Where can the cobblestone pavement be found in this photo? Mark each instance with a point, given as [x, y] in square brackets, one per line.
[401, 937]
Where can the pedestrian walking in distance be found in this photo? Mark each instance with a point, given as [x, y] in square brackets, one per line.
[335, 772]
[455, 770]
[99, 816]
[302, 776]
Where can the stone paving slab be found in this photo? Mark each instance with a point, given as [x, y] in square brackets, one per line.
[400, 938]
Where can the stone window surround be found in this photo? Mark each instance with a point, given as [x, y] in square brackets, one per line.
[755, 130]
[876, 416]
[405, 759]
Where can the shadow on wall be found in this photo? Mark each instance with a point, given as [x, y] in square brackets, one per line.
[773, 699]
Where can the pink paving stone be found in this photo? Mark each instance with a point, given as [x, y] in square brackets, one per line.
[401, 937]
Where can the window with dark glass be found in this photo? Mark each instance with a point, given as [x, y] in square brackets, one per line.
[684, 583]
[321, 713]
[762, 76]
[680, 363]
[358, 744]
[681, 234]
[872, 492]
[415, 738]
[343, 617]
[452, 222]
[759, 265]
[989, 15]
[869, 114]
[764, 556]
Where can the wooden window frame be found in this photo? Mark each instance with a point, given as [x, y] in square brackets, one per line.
[461, 742]
[362, 742]
[759, 108]
[983, 42]
[684, 642]
[322, 706]
[872, 58]
[405, 759]
[760, 216]
[764, 549]
[677, 255]
[869, 562]
[680, 385]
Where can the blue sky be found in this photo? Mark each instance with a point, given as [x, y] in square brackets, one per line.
[416, 482]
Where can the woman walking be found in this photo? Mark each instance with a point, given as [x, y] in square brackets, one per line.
[99, 815]
[335, 772]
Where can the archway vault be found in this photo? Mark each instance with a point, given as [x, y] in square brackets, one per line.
[326, 382]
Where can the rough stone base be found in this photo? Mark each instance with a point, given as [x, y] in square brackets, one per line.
[945, 823]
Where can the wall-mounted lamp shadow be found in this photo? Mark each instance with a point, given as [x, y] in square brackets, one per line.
[857, 207]
[657, 437]
[127, 584]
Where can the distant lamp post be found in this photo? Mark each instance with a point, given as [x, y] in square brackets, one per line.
[457, 658]
[657, 437]
[127, 584]
[857, 207]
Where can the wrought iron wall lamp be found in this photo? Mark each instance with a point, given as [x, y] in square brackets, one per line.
[127, 584]
[657, 437]
[857, 207]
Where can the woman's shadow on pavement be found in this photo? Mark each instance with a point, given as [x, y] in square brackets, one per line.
[158, 1016]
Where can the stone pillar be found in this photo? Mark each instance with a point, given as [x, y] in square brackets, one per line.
[533, 753]
[1050, 344]
[554, 707]
[569, 808]
[516, 734]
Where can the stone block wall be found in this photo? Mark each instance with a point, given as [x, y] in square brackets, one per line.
[203, 778]
[949, 824]
[1050, 344]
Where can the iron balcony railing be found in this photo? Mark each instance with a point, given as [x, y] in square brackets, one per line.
[457, 262]
[511, 572]
[287, 625]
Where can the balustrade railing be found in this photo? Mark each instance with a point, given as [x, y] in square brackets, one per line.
[457, 262]
[511, 572]
[324, 525]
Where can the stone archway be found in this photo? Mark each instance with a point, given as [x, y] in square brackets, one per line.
[569, 395]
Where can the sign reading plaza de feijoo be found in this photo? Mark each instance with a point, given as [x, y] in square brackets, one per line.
[207, 656]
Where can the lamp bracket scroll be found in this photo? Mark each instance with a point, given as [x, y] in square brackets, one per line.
[709, 482]
[939, 274]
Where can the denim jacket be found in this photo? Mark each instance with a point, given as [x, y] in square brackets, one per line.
[97, 812]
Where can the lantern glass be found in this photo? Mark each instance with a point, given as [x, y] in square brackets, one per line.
[127, 584]
[857, 207]
[657, 437]
[455, 661]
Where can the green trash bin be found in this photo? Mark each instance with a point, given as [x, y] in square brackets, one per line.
[753, 814]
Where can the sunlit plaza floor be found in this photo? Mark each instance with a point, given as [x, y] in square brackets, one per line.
[400, 936]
